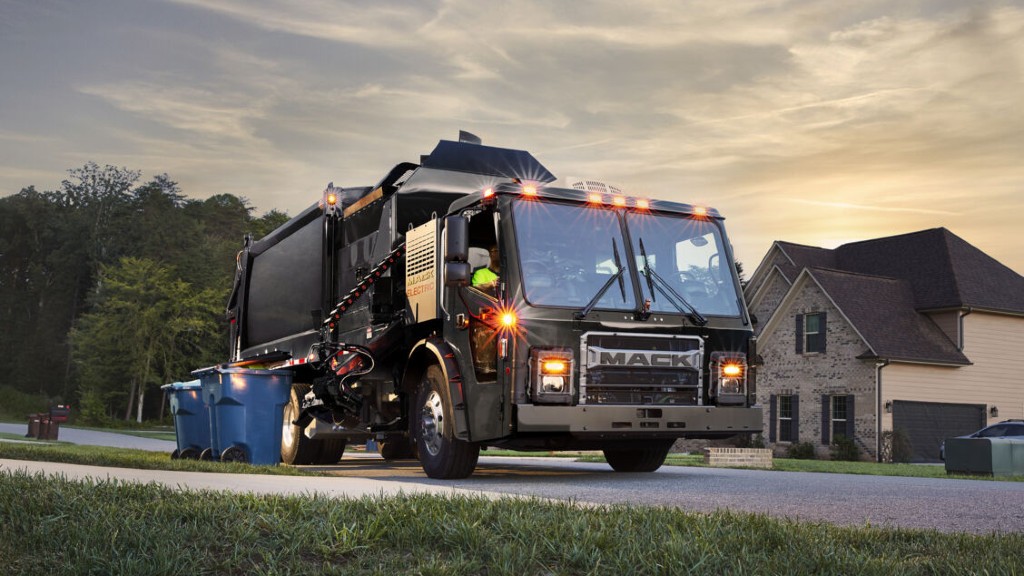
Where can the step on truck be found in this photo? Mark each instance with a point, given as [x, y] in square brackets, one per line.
[467, 302]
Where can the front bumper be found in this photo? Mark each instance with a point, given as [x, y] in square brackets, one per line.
[639, 421]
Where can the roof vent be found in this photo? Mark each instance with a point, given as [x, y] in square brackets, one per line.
[469, 138]
[594, 186]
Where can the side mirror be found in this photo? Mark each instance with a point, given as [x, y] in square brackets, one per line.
[456, 247]
[457, 274]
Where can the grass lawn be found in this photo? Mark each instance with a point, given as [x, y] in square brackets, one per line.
[103, 527]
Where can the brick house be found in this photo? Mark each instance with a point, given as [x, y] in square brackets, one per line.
[918, 332]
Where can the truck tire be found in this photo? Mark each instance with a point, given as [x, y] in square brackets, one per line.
[296, 448]
[647, 457]
[331, 450]
[442, 455]
[400, 449]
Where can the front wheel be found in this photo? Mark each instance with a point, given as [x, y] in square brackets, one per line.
[646, 457]
[431, 422]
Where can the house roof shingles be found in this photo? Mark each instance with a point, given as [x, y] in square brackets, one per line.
[882, 310]
[942, 270]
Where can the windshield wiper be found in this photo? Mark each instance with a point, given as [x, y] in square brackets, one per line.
[674, 298]
[608, 284]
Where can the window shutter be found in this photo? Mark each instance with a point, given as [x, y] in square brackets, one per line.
[799, 333]
[851, 428]
[772, 417]
[826, 419]
[795, 403]
[823, 332]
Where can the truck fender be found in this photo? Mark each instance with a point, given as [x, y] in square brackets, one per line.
[436, 351]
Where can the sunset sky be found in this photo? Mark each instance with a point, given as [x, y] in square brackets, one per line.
[816, 122]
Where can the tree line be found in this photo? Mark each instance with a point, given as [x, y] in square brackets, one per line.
[111, 286]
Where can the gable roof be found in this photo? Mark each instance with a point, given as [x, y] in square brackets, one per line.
[882, 311]
[943, 270]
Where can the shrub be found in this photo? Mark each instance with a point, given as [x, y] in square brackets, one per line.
[895, 446]
[844, 448]
[749, 441]
[17, 405]
[800, 451]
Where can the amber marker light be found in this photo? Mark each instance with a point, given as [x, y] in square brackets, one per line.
[595, 198]
[529, 190]
[488, 192]
[555, 367]
[700, 211]
[643, 204]
[508, 320]
[332, 199]
[619, 201]
[732, 370]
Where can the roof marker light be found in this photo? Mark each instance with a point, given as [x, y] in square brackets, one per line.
[488, 192]
[700, 211]
[619, 200]
[642, 204]
[529, 190]
[595, 198]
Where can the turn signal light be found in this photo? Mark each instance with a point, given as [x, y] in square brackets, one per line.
[509, 320]
[732, 370]
[554, 367]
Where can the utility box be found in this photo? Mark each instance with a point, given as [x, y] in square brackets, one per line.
[985, 456]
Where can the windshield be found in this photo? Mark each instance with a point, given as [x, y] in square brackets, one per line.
[687, 256]
[567, 253]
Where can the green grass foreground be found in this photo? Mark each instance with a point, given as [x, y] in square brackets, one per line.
[127, 458]
[53, 525]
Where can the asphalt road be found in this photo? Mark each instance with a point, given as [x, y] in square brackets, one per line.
[974, 506]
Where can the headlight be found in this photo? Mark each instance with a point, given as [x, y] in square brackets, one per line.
[551, 375]
[728, 378]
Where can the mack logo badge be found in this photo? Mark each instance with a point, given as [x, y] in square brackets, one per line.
[642, 358]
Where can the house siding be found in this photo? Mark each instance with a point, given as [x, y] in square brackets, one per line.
[991, 342]
[834, 372]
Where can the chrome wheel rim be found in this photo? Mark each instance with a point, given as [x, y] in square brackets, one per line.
[432, 423]
[287, 428]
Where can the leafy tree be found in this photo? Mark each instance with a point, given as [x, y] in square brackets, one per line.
[143, 330]
[87, 271]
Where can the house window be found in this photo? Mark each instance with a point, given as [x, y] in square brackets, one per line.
[814, 333]
[839, 417]
[786, 419]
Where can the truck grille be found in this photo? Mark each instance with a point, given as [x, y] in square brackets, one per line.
[643, 369]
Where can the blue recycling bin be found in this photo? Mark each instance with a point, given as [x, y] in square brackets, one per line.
[191, 418]
[245, 413]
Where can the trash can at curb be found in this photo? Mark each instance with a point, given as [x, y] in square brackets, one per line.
[245, 412]
[48, 429]
[191, 418]
[33, 426]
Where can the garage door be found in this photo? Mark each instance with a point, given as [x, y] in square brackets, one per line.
[927, 424]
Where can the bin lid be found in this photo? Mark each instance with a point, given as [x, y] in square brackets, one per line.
[182, 385]
[225, 369]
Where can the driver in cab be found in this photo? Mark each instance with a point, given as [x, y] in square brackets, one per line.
[486, 277]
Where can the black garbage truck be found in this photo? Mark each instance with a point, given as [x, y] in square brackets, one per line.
[603, 321]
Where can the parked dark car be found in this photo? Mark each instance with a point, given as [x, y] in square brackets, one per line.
[1004, 429]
